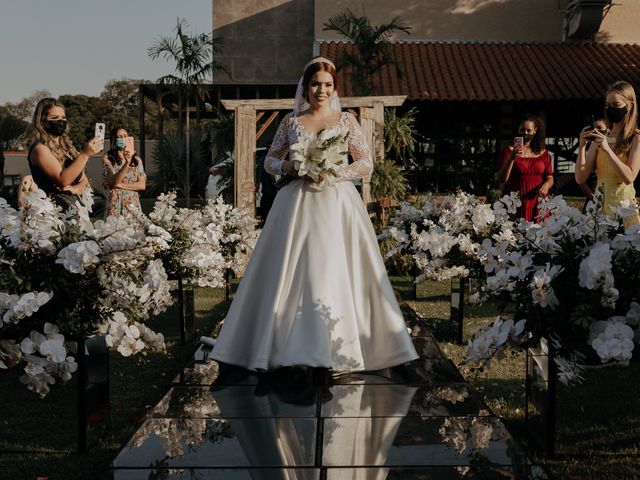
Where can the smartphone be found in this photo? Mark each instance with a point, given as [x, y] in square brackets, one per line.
[99, 132]
[129, 145]
[588, 121]
[518, 142]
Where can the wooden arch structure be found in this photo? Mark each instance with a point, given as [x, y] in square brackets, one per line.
[368, 110]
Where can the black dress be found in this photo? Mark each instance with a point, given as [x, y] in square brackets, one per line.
[63, 199]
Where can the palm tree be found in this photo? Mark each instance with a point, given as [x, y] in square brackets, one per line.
[372, 47]
[194, 64]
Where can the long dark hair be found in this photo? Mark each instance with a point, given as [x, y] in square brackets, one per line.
[61, 149]
[112, 154]
[630, 121]
[537, 143]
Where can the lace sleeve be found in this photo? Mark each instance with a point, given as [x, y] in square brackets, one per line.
[362, 165]
[279, 148]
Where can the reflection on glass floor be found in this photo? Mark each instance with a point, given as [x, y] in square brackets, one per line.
[419, 421]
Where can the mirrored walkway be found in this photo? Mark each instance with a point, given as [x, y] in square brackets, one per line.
[419, 421]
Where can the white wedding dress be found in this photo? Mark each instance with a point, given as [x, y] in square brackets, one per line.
[315, 292]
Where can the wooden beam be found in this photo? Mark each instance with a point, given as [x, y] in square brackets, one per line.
[378, 119]
[244, 159]
[287, 103]
[266, 124]
[367, 121]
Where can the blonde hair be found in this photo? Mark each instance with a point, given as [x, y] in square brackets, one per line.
[64, 146]
[630, 125]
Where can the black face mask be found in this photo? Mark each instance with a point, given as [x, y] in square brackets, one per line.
[55, 127]
[616, 114]
[527, 137]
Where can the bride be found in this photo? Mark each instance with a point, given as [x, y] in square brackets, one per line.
[315, 292]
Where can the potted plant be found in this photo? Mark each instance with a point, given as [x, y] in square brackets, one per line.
[388, 186]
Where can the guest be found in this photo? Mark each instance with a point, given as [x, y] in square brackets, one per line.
[615, 154]
[123, 174]
[215, 183]
[527, 169]
[56, 166]
[268, 189]
[588, 186]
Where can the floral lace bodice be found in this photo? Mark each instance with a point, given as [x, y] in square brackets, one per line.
[291, 129]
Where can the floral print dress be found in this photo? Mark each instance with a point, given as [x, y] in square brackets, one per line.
[122, 202]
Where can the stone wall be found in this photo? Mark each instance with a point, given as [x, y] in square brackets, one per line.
[265, 41]
[465, 20]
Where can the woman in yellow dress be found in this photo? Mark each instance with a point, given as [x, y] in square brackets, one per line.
[616, 156]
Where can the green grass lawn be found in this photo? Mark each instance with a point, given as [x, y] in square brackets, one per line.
[598, 427]
[43, 431]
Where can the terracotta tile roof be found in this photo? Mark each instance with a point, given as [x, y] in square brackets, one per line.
[500, 71]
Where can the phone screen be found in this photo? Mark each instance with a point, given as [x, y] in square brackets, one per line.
[129, 145]
[588, 121]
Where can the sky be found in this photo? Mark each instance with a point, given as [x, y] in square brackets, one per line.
[76, 46]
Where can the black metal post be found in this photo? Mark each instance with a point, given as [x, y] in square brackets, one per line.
[94, 386]
[181, 312]
[227, 281]
[540, 392]
[461, 311]
[187, 313]
[82, 395]
[551, 415]
[457, 310]
[414, 275]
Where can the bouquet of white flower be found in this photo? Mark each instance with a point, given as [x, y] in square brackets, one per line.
[321, 155]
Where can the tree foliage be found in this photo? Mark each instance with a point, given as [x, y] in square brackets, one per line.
[82, 114]
[11, 127]
[194, 62]
[170, 154]
[118, 105]
[372, 47]
[24, 108]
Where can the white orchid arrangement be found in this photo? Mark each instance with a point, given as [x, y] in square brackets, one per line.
[443, 236]
[64, 277]
[235, 231]
[206, 241]
[194, 254]
[572, 278]
[321, 155]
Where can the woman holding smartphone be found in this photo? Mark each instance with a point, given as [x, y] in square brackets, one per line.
[526, 167]
[614, 155]
[123, 174]
[56, 166]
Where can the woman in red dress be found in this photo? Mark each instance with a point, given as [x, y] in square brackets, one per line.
[527, 168]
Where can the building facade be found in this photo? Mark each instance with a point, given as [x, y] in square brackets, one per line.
[472, 68]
